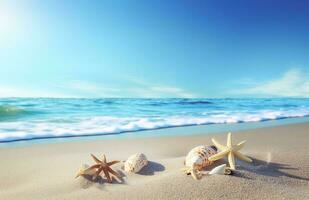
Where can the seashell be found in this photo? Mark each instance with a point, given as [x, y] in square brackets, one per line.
[218, 170]
[84, 170]
[228, 171]
[135, 163]
[197, 158]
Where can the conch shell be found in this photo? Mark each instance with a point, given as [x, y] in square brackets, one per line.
[135, 163]
[197, 159]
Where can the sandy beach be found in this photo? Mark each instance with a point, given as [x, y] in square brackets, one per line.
[280, 168]
[187, 87]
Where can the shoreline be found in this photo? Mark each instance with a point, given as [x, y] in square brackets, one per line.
[46, 171]
[158, 132]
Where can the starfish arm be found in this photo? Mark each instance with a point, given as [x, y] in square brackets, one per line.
[113, 172]
[231, 160]
[96, 159]
[81, 172]
[97, 173]
[104, 159]
[218, 155]
[196, 175]
[217, 144]
[229, 140]
[92, 167]
[112, 162]
[107, 175]
[240, 145]
[243, 157]
[84, 171]
[185, 170]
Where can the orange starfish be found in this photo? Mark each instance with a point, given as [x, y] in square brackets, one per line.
[102, 165]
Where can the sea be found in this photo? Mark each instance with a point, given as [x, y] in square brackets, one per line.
[45, 118]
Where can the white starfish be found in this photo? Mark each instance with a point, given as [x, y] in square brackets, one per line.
[230, 151]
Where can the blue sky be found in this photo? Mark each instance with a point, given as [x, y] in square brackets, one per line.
[189, 48]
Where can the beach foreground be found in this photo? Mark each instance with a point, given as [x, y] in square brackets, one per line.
[280, 168]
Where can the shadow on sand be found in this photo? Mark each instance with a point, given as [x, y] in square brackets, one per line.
[87, 180]
[260, 167]
[270, 169]
[151, 168]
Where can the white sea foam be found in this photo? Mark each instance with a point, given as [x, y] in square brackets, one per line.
[16, 130]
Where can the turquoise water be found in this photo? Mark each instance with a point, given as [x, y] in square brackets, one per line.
[31, 118]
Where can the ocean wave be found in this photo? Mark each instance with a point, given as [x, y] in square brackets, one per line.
[28, 118]
[181, 102]
[10, 111]
[105, 125]
[194, 102]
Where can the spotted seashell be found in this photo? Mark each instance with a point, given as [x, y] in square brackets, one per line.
[135, 163]
[197, 158]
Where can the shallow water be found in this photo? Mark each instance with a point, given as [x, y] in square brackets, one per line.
[29, 118]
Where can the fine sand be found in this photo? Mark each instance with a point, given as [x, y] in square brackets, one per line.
[280, 168]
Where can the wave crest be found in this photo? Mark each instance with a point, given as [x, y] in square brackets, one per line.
[10, 111]
[107, 125]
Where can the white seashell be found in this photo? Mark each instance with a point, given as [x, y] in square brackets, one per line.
[85, 171]
[135, 163]
[197, 158]
[221, 169]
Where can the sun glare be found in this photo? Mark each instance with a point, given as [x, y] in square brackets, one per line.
[9, 23]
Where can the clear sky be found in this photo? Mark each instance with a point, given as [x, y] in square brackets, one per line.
[130, 48]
